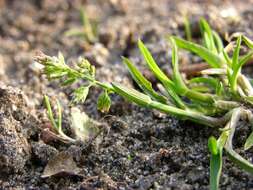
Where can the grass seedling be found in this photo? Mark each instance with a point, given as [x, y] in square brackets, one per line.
[88, 30]
[83, 127]
[187, 28]
[56, 123]
[219, 98]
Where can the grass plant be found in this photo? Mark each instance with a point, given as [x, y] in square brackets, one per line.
[220, 98]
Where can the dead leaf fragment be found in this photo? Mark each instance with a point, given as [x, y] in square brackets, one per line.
[84, 127]
[62, 163]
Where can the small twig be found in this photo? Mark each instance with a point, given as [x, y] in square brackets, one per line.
[194, 69]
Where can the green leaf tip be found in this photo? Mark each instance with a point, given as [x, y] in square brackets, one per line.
[210, 57]
[249, 142]
[143, 83]
[213, 146]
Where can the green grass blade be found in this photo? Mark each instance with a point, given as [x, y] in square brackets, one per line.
[179, 83]
[210, 81]
[167, 83]
[74, 32]
[132, 95]
[177, 100]
[240, 161]
[201, 88]
[152, 64]
[220, 89]
[207, 42]
[227, 58]
[187, 114]
[215, 170]
[244, 59]
[87, 26]
[248, 42]
[83, 17]
[211, 58]
[145, 101]
[187, 28]
[143, 83]
[207, 35]
[216, 149]
[218, 42]
[235, 58]
[236, 67]
[200, 97]
[234, 156]
[50, 113]
[213, 146]
[249, 142]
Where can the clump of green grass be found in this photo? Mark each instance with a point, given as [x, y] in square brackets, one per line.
[219, 98]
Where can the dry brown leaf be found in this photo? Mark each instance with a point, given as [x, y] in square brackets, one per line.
[62, 163]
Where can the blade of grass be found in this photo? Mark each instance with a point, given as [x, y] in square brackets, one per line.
[215, 170]
[201, 88]
[132, 95]
[179, 83]
[235, 57]
[245, 85]
[236, 67]
[215, 163]
[207, 35]
[249, 142]
[216, 159]
[211, 58]
[143, 83]
[234, 156]
[167, 83]
[87, 26]
[244, 59]
[74, 32]
[145, 101]
[57, 126]
[172, 88]
[218, 42]
[227, 58]
[187, 28]
[152, 64]
[210, 81]
[248, 42]
[212, 145]
[50, 113]
[207, 42]
[220, 89]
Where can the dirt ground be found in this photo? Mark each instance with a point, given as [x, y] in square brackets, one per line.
[138, 148]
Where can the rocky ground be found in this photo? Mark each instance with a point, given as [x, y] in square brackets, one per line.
[138, 148]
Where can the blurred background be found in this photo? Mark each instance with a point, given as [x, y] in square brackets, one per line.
[150, 150]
